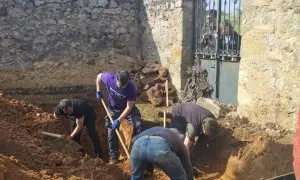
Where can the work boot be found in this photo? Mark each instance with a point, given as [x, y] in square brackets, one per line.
[112, 161]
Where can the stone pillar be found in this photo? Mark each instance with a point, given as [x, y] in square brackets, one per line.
[166, 35]
[269, 78]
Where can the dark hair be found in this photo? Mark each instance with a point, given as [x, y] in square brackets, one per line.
[123, 77]
[227, 23]
[212, 12]
[65, 103]
[210, 125]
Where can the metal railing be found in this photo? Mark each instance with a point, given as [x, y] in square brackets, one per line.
[217, 29]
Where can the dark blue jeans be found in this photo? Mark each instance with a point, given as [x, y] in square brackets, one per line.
[89, 122]
[156, 151]
[134, 118]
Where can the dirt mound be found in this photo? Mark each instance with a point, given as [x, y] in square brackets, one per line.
[243, 150]
[25, 154]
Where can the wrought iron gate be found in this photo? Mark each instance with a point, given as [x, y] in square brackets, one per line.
[217, 45]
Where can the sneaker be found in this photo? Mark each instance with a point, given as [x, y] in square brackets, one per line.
[112, 161]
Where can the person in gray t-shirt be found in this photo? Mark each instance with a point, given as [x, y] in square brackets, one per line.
[192, 120]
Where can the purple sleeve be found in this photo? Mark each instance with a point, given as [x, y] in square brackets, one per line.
[105, 77]
[132, 94]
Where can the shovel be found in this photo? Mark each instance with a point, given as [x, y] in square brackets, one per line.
[69, 144]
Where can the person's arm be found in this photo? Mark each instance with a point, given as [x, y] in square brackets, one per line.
[98, 81]
[188, 143]
[79, 126]
[190, 136]
[127, 110]
[186, 164]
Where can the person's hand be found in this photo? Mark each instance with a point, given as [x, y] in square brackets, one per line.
[69, 137]
[99, 95]
[115, 124]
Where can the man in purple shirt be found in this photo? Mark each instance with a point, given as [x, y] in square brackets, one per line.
[121, 97]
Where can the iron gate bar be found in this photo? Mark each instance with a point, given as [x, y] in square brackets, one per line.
[217, 46]
[239, 43]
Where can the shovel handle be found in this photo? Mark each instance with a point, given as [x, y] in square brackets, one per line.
[52, 134]
[117, 131]
[167, 102]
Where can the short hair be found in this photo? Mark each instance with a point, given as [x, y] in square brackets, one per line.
[123, 77]
[210, 125]
[65, 103]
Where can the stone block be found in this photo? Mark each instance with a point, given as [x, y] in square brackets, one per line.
[121, 30]
[210, 105]
[118, 10]
[113, 4]
[132, 12]
[125, 12]
[126, 6]
[266, 28]
[61, 21]
[6, 43]
[98, 3]
[151, 68]
[148, 71]
[178, 4]
[16, 12]
[109, 11]
[150, 81]
[40, 40]
[49, 21]
[39, 3]
[136, 68]
[3, 11]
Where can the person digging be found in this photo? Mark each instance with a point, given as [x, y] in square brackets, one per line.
[121, 98]
[161, 147]
[82, 114]
[192, 121]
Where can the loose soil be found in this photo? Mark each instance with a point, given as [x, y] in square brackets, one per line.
[241, 150]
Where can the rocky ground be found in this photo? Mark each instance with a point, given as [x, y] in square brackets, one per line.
[241, 150]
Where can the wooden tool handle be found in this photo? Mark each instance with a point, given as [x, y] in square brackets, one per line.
[52, 134]
[117, 131]
[167, 93]
[167, 101]
[165, 116]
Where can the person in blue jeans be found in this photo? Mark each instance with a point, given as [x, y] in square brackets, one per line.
[121, 98]
[163, 148]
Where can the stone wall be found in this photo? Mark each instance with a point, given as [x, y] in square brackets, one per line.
[43, 40]
[166, 35]
[70, 38]
[64, 31]
[269, 78]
